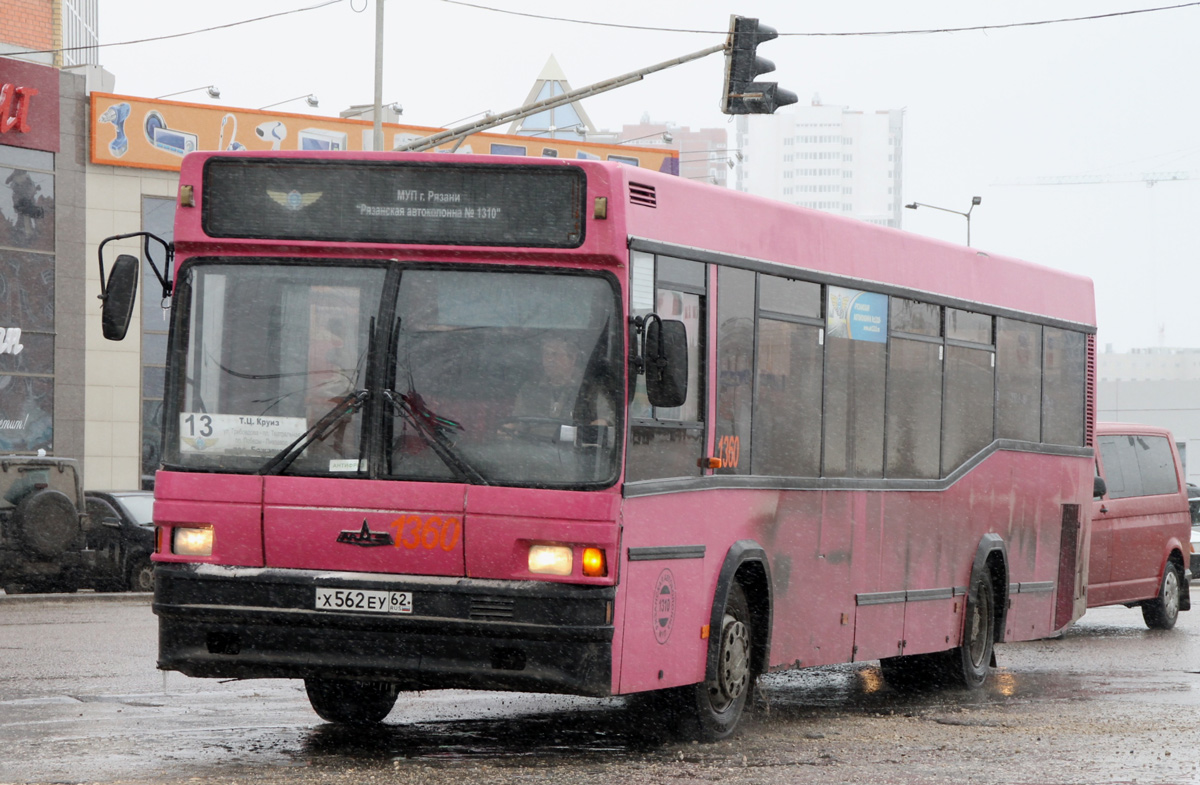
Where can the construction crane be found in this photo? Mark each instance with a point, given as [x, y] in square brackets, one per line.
[1149, 178]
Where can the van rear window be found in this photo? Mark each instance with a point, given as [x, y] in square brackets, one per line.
[1138, 465]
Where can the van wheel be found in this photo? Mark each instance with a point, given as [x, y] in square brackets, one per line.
[968, 665]
[1162, 612]
[351, 702]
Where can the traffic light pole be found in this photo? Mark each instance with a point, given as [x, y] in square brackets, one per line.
[491, 121]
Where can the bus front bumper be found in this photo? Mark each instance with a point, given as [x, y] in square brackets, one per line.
[532, 636]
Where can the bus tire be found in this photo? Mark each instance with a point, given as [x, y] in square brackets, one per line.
[968, 665]
[1162, 612]
[350, 702]
[710, 711]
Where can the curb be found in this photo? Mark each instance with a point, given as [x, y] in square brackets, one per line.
[123, 598]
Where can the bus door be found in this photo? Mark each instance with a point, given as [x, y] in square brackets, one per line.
[668, 536]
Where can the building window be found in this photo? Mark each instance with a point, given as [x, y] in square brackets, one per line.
[27, 315]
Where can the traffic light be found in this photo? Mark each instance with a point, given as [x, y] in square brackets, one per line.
[742, 94]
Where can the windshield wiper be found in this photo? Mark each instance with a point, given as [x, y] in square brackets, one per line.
[343, 407]
[433, 429]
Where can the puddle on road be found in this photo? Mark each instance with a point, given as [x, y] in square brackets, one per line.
[614, 727]
[605, 731]
[576, 729]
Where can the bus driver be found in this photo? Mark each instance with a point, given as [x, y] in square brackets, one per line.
[560, 397]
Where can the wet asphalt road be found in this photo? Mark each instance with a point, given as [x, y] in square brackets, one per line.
[1107, 702]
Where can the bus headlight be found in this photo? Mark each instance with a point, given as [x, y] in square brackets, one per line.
[192, 542]
[550, 559]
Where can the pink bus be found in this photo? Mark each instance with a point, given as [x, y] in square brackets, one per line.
[441, 421]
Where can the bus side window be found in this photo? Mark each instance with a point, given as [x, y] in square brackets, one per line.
[668, 442]
[735, 369]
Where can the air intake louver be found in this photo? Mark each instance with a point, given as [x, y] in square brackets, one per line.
[644, 195]
[485, 608]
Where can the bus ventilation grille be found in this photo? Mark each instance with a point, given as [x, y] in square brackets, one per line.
[492, 608]
[645, 195]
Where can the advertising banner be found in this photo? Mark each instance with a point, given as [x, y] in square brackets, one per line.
[156, 134]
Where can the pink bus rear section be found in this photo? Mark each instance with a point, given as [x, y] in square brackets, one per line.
[854, 575]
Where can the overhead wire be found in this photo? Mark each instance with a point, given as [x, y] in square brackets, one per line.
[617, 25]
[927, 31]
[171, 36]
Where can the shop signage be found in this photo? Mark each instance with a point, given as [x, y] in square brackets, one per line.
[28, 105]
[10, 340]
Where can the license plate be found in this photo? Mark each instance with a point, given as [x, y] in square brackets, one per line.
[364, 600]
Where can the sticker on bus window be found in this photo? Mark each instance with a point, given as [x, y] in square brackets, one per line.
[859, 316]
[234, 433]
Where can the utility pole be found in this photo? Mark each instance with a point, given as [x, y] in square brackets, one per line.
[378, 125]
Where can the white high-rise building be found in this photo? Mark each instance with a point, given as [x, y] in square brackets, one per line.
[80, 31]
[826, 157]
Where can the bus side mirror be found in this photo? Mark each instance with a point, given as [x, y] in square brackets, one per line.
[666, 358]
[1099, 487]
[117, 297]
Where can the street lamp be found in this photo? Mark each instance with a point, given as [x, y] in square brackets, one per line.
[212, 91]
[310, 99]
[355, 111]
[666, 136]
[974, 201]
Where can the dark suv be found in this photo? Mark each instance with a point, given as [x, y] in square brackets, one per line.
[43, 528]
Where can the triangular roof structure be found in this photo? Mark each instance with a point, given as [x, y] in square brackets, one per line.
[560, 122]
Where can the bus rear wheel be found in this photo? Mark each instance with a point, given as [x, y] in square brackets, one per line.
[969, 664]
[351, 702]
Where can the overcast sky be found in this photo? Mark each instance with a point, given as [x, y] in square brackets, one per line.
[1108, 97]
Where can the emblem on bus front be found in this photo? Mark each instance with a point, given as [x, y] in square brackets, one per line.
[294, 200]
[364, 537]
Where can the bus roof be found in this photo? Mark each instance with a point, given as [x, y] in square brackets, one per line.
[698, 215]
[706, 222]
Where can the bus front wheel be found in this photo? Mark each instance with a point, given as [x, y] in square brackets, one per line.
[351, 702]
[713, 708]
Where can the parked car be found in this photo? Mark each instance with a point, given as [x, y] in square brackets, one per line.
[43, 528]
[1141, 524]
[1193, 492]
[123, 539]
[1195, 558]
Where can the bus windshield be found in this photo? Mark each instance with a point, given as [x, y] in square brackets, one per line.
[486, 376]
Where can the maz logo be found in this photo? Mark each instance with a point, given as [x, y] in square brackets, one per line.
[364, 537]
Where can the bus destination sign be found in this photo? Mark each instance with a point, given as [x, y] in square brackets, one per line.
[395, 203]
